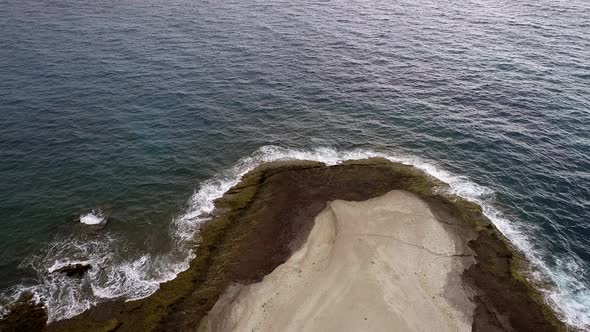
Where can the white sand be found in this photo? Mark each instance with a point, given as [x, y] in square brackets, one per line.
[385, 264]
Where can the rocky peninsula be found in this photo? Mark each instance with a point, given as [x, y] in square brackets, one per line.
[364, 245]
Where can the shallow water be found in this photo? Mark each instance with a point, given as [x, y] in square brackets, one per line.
[143, 111]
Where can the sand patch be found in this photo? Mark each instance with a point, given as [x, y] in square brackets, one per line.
[379, 265]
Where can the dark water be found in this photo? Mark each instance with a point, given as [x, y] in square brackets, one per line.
[127, 108]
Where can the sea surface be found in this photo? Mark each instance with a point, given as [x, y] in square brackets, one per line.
[121, 121]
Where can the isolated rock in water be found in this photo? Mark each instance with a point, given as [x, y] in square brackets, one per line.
[74, 270]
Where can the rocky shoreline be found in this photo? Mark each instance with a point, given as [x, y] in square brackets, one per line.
[266, 217]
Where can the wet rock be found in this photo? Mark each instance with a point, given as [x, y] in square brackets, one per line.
[74, 270]
[25, 315]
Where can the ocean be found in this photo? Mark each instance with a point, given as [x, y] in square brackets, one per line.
[122, 121]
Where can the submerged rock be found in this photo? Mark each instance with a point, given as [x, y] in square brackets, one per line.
[74, 270]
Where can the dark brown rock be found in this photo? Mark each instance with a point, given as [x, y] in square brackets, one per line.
[74, 270]
[25, 315]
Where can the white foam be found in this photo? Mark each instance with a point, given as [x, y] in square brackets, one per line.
[92, 218]
[141, 276]
[63, 263]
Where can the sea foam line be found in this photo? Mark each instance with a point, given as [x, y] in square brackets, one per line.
[141, 277]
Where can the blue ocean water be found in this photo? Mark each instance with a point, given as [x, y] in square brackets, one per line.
[139, 113]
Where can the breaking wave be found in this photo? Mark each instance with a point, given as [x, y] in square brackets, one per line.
[92, 218]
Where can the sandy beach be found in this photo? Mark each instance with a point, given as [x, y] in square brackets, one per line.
[378, 265]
